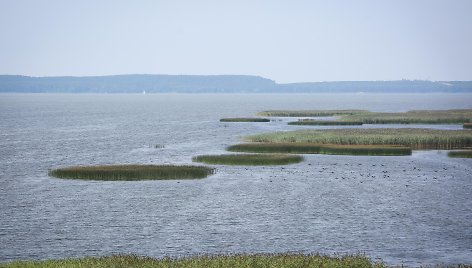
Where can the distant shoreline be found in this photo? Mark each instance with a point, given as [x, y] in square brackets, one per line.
[138, 84]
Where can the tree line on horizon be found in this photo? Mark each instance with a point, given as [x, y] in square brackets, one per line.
[214, 84]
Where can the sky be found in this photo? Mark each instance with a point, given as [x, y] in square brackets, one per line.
[287, 41]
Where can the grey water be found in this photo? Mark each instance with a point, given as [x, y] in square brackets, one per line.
[408, 210]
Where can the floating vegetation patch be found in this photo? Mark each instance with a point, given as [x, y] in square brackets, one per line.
[414, 117]
[467, 125]
[249, 159]
[312, 122]
[132, 172]
[457, 116]
[286, 260]
[244, 119]
[415, 138]
[460, 154]
[311, 148]
[309, 113]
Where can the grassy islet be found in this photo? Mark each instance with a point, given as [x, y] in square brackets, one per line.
[249, 159]
[454, 116]
[287, 260]
[457, 116]
[311, 122]
[308, 113]
[132, 172]
[312, 148]
[460, 154]
[244, 119]
[415, 138]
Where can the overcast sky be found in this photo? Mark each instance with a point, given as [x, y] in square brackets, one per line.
[288, 41]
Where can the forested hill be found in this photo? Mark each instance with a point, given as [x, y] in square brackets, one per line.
[213, 84]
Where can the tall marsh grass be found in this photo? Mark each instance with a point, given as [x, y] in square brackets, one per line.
[132, 172]
[415, 138]
[308, 113]
[456, 116]
[218, 261]
[244, 119]
[249, 159]
[311, 148]
[460, 154]
[413, 117]
[311, 122]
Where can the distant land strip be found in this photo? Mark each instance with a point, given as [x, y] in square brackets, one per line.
[149, 83]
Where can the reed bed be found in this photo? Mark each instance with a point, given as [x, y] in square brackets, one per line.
[413, 117]
[309, 113]
[460, 154]
[249, 159]
[415, 138]
[311, 122]
[244, 119]
[456, 116]
[207, 261]
[467, 125]
[311, 148]
[132, 172]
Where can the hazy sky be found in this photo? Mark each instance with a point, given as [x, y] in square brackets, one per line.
[288, 41]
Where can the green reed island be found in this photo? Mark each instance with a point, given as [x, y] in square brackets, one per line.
[244, 119]
[461, 154]
[467, 125]
[309, 113]
[456, 116]
[415, 138]
[312, 122]
[132, 172]
[249, 159]
[288, 260]
[312, 148]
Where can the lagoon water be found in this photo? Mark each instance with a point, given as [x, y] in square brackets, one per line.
[410, 209]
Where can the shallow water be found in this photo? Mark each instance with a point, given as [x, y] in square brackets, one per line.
[410, 209]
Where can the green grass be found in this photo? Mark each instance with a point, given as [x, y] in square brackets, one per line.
[249, 159]
[467, 125]
[132, 172]
[415, 138]
[308, 113]
[413, 117]
[311, 148]
[460, 154]
[311, 122]
[244, 119]
[457, 116]
[217, 261]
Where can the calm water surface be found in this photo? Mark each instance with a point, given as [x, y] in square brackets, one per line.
[412, 209]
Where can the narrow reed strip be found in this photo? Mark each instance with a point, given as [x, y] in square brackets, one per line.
[311, 148]
[132, 172]
[244, 119]
[249, 159]
[415, 138]
[456, 116]
[286, 260]
[460, 154]
[308, 113]
[311, 122]
[414, 117]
